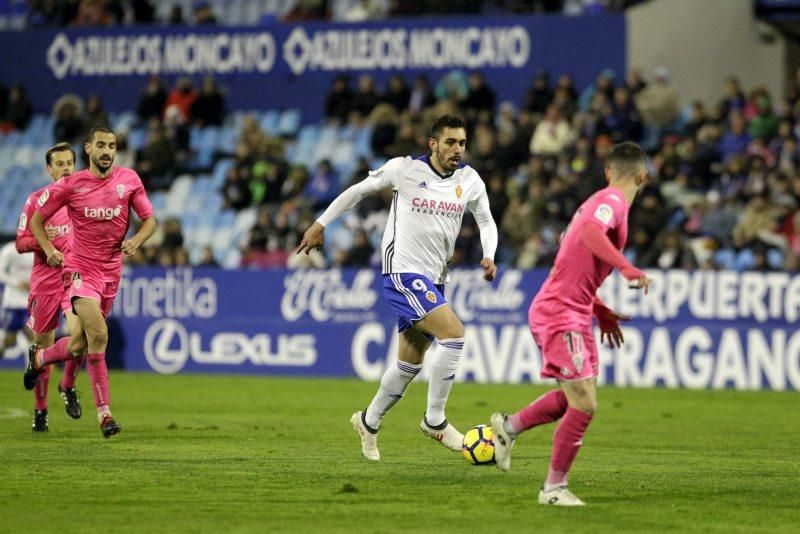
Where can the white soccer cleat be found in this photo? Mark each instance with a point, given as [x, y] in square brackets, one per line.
[369, 441]
[503, 442]
[447, 436]
[560, 496]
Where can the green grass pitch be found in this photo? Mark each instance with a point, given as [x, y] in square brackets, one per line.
[221, 453]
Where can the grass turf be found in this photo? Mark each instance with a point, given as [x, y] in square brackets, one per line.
[220, 453]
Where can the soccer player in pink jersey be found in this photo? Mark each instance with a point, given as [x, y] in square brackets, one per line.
[99, 202]
[47, 289]
[560, 319]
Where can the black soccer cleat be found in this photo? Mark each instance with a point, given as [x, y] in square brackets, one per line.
[70, 398]
[40, 421]
[31, 376]
[109, 427]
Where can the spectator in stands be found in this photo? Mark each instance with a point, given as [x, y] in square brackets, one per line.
[480, 96]
[366, 97]
[209, 107]
[151, 103]
[697, 119]
[384, 128]
[176, 16]
[634, 81]
[322, 186]
[69, 125]
[736, 140]
[18, 110]
[397, 93]
[540, 95]
[421, 96]
[452, 86]
[156, 161]
[172, 234]
[622, 118]
[96, 115]
[658, 104]
[552, 135]
[143, 11]
[180, 258]
[405, 141]
[203, 14]
[339, 101]
[361, 10]
[764, 123]
[182, 95]
[207, 258]
[178, 133]
[604, 83]
[235, 192]
[359, 254]
[734, 97]
[757, 224]
[94, 13]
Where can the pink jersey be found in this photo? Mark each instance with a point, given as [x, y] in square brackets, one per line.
[45, 280]
[565, 299]
[100, 211]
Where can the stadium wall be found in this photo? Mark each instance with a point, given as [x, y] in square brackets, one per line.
[700, 329]
[291, 66]
[703, 43]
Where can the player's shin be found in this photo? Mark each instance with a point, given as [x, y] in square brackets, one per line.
[567, 441]
[71, 369]
[443, 374]
[546, 409]
[98, 377]
[56, 353]
[40, 391]
[393, 385]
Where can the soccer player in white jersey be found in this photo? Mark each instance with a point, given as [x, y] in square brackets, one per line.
[430, 195]
[15, 275]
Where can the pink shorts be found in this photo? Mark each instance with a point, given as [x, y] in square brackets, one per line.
[567, 354]
[44, 312]
[79, 286]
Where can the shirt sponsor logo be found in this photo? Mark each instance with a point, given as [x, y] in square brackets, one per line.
[101, 214]
[81, 189]
[424, 205]
[604, 213]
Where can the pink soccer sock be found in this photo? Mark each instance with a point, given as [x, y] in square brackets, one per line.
[546, 409]
[98, 377]
[71, 369]
[57, 353]
[40, 391]
[567, 442]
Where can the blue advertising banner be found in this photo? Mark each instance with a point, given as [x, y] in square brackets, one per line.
[291, 66]
[699, 329]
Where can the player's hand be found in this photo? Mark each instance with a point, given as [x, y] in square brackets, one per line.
[54, 257]
[130, 246]
[610, 328]
[640, 283]
[489, 269]
[313, 238]
[51, 231]
[24, 285]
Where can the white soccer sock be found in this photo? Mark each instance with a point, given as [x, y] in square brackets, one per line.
[443, 374]
[393, 385]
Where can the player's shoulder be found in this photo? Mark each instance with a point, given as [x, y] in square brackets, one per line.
[128, 175]
[468, 173]
[610, 196]
[398, 164]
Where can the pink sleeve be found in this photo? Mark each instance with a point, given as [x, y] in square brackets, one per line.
[141, 204]
[593, 235]
[25, 240]
[608, 210]
[51, 199]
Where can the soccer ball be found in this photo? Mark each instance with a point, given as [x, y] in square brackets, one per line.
[478, 445]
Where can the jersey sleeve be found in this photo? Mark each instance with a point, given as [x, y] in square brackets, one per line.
[140, 203]
[479, 206]
[52, 199]
[608, 211]
[25, 240]
[383, 178]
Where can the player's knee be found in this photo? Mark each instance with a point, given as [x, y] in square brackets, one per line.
[97, 338]
[77, 346]
[454, 331]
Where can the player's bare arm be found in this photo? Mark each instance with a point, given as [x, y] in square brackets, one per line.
[148, 228]
[54, 256]
[312, 238]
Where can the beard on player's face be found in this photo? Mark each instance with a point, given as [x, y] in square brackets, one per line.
[103, 162]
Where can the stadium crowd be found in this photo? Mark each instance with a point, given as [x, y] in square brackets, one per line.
[724, 187]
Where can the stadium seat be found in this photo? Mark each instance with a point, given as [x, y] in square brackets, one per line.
[270, 122]
[221, 170]
[245, 220]
[775, 258]
[745, 260]
[725, 258]
[289, 122]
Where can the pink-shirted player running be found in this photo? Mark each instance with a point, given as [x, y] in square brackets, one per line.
[99, 202]
[560, 319]
[47, 289]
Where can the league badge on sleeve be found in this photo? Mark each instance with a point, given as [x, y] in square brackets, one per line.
[604, 213]
[23, 222]
[43, 197]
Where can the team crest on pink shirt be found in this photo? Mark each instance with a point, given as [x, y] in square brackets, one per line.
[120, 190]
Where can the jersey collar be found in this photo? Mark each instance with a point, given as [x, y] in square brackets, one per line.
[427, 159]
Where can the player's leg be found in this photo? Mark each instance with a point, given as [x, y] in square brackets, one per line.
[94, 325]
[43, 339]
[76, 346]
[442, 324]
[412, 346]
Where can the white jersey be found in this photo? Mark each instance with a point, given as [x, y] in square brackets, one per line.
[15, 268]
[426, 213]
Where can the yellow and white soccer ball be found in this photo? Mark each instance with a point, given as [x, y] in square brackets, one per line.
[478, 445]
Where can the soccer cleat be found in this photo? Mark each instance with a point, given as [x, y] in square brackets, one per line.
[109, 427]
[504, 442]
[369, 438]
[559, 496]
[31, 376]
[40, 421]
[446, 434]
[70, 398]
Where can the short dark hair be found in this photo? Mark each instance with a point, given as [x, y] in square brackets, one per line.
[102, 128]
[58, 147]
[627, 158]
[446, 121]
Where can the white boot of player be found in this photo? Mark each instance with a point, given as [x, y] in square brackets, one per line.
[504, 442]
[447, 435]
[559, 496]
[369, 440]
